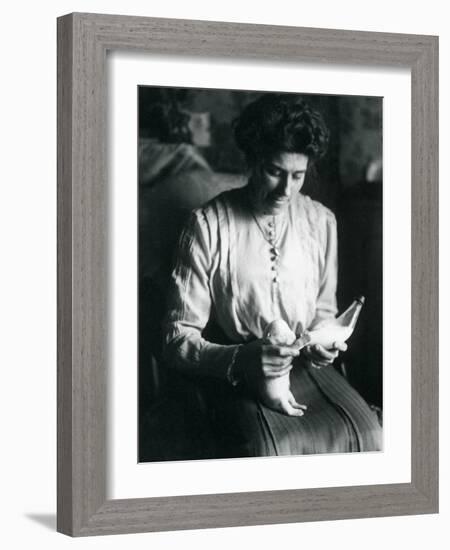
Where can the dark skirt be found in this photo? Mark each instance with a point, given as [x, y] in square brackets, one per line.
[337, 420]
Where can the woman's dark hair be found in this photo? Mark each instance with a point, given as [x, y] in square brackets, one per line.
[276, 123]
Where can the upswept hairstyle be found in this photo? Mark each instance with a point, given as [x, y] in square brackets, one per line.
[276, 123]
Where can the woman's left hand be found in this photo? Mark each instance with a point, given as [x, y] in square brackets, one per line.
[318, 356]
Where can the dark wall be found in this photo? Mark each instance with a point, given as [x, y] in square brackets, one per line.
[360, 136]
[355, 126]
[360, 236]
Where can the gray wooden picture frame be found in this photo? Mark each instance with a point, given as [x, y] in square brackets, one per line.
[83, 41]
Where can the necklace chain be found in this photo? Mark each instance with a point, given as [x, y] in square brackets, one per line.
[261, 229]
[272, 240]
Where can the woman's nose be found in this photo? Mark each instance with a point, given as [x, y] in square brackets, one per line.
[286, 184]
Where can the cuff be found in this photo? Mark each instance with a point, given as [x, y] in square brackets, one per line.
[218, 360]
[233, 376]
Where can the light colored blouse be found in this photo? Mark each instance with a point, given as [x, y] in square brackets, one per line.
[244, 271]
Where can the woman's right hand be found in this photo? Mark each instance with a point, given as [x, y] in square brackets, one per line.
[259, 360]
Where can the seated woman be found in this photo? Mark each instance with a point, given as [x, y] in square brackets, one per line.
[253, 255]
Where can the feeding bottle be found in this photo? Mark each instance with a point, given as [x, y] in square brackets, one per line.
[275, 392]
[335, 330]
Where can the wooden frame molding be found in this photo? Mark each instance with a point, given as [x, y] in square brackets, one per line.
[83, 41]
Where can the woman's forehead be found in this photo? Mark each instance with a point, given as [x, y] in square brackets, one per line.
[292, 162]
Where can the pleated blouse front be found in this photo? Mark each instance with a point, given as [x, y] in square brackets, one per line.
[226, 270]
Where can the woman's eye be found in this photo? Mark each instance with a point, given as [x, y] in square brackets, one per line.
[276, 172]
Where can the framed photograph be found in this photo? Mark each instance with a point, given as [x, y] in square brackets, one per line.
[247, 274]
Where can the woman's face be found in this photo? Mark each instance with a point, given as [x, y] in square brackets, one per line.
[275, 182]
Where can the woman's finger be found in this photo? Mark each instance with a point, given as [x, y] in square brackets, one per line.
[318, 359]
[281, 351]
[276, 372]
[326, 353]
[318, 364]
[340, 346]
[277, 361]
[320, 353]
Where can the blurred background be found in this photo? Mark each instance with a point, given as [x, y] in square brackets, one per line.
[187, 156]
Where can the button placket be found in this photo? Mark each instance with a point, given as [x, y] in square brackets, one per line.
[274, 253]
[269, 233]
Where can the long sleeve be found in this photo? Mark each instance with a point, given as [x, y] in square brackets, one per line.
[190, 304]
[326, 305]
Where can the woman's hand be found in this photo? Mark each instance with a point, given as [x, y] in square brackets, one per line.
[318, 356]
[259, 360]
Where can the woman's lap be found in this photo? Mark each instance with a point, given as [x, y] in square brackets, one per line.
[337, 419]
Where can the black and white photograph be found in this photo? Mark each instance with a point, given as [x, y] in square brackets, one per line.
[223, 235]
[260, 274]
